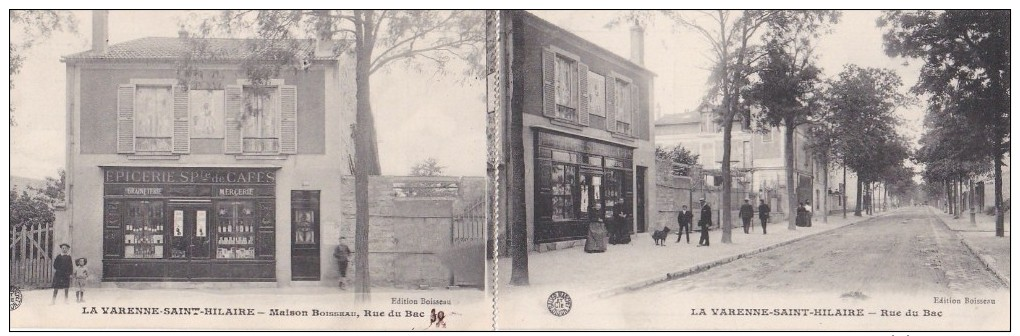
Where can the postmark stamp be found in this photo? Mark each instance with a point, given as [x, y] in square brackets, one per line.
[559, 303]
[16, 298]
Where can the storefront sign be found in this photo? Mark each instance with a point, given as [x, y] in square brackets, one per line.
[190, 175]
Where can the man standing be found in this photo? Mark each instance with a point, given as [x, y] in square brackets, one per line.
[746, 214]
[705, 222]
[684, 219]
[342, 255]
[763, 215]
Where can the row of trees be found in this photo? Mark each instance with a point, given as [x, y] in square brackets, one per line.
[966, 78]
[763, 71]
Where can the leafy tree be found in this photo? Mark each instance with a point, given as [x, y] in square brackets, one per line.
[29, 209]
[33, 27]
[681, 157]
[966, 56]
[380, 38]
[54, 188]
[427, 167]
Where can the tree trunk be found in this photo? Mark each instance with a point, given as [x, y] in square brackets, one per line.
[842, 193]
[860, 196]
[825, 195]
[970, 182]
[949, 196]
[788, 159]
[367, 158]
[727, 226]
[517, 222]
[1000, 229]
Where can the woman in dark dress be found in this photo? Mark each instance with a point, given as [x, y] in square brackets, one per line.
[597, 233]
[801, 215]
[62, 267]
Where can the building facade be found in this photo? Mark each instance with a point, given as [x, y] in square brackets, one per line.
[756, 159]
[586, 132]
[215, 180]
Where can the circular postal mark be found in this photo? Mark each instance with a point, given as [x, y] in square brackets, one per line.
[15, 297]
[559, 303]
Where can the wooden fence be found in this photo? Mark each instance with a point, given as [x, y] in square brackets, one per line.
[31, 255]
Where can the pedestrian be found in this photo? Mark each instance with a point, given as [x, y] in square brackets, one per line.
[808, 213]
[62, 272]
[622, 224]
[763, 215]
[342, 255]
[684, 219]
[598, 236]
[746, 214]
[705, 222]
[81, 274]
[800, 215]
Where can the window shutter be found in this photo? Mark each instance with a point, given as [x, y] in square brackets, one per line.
[548, 83]
[582, 106]
[611, 103]
[288, 119]
[126, 119]
[635, 101]
[182, 126]
[233, 109]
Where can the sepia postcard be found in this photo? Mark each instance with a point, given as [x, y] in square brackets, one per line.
[691, 170]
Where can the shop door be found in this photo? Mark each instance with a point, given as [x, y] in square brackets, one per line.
[189, 235]
[592, 207]
[305, 236]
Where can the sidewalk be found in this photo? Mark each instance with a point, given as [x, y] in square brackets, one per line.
[980, 238]
[639, 264]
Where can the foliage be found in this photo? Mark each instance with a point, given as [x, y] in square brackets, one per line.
[681, 157]
[427, 167]
[30, 27]
[29, 209]
[54, 188]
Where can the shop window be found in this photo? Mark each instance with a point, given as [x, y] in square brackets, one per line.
[143, 230]
[566, 88]
[236, 230]
[563, 193]
[260, 132]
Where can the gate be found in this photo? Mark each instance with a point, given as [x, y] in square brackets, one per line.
[469, 225]
[31, 255]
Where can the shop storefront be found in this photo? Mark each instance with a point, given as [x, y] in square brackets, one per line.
[578, 181]
[189, 224]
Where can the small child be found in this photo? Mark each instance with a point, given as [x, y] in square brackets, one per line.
[81, 273]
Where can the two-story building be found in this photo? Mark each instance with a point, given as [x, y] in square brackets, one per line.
[757, 159]
[206, 180]
[587, 132]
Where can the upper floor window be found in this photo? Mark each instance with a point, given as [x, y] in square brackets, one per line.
[624, 105]
[596, 94]
[766, 137]
[154, 118]
[566, 88]
[260, 126]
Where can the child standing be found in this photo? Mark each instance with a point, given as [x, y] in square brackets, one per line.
[81, 274]
[62, 272]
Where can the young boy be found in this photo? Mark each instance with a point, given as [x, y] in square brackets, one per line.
[62, 272]
[342, 255]
[81, 274]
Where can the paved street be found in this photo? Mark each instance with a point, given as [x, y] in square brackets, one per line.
[907, 252]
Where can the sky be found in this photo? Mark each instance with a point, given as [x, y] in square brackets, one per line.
[679, 57]
[418, 114]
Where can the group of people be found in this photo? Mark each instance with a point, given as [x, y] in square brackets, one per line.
[685, 218]
[64, 272]
[614, 230]
[804, 214]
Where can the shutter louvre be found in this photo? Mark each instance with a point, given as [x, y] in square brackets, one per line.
[233, 109]
[611, 103]
[583, 106]
[288, 119]
[126, 119]
[635, 106]
[182, 128]
[548, 83]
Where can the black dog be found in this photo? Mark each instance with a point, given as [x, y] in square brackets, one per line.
[660, 236]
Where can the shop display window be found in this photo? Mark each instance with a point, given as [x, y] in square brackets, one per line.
[235, 232]
[143, 229]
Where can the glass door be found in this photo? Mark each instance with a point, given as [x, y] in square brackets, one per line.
[592, 207]
[189, 231]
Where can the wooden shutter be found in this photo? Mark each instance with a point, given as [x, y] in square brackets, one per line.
[635, 102]
[582, 106]
[610, 103]
[548, 83]
[288, 119]
[182, 126]
[126, 119]
[233, 109]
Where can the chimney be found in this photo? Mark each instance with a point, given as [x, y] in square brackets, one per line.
[637, 44]
[100, 30]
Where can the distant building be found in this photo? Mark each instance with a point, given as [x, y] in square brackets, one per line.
[587, 131]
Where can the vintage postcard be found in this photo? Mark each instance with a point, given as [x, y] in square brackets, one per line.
[750, 170]
[237, 170]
